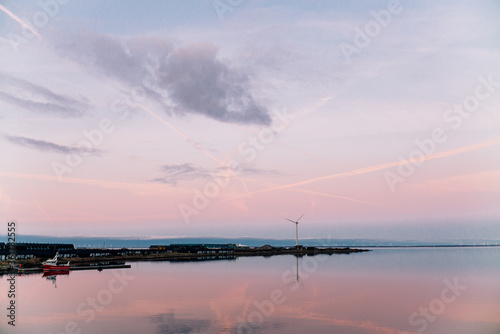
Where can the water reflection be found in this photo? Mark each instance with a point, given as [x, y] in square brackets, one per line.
[374, 292]
[297, 259]
[52, 275]
[168, 323]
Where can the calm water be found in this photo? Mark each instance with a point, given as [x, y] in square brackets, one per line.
[384, 291]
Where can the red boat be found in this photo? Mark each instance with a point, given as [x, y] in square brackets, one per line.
[54, 265]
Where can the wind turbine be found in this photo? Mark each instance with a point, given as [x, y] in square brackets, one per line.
[296, 222]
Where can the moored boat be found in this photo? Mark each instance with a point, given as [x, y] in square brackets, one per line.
[54, 265]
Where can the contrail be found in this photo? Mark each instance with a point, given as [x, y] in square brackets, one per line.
[195, 144]
[302, 152]
[276, 141]
[137, 158]
[318, 104]
[24, 25]
[339, 196]
[91, 182]
[77, 215]
[374, 168]
[182, 134]
[38, 204]
[317, 193]
[315, 106]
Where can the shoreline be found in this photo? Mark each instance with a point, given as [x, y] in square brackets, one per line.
[171, 256]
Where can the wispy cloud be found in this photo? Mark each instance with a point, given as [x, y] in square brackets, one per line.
[39, 99]
[172, 174]
[188, 79]
[46, 146]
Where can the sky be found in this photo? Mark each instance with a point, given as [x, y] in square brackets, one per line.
[222, 118]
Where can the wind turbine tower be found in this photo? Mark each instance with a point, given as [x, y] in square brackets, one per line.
[296, 222]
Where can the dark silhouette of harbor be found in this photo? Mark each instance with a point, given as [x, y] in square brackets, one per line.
[30, 255]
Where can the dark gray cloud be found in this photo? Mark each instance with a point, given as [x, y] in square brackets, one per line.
[168, 323]
[172, 174]
[46, 146]
[183, 79]
[39, 99]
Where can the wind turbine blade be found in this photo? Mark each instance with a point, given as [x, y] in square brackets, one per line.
[301, 217]
[291, 220]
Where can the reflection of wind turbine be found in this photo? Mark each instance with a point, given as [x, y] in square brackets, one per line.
[297, 258]
[296, 222]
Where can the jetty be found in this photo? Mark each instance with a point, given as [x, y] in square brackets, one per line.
[30, 256]
[29, 270]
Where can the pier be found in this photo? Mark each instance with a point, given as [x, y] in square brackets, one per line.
[97, 267]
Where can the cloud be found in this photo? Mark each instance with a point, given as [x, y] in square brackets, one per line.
[175, 173]
[245, 169]
[187, 79]
[42, 145]
[39, 99]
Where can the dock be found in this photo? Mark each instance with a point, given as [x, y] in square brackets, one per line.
[89, 267]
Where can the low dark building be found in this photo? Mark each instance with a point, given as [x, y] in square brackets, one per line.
[194, 248]
[32, 249]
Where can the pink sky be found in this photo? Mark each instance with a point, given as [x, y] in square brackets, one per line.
[177, 121]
